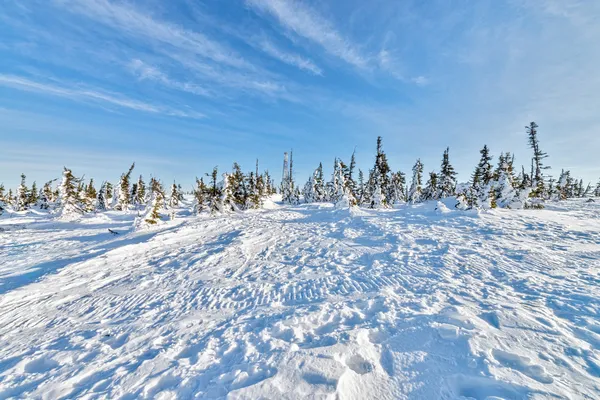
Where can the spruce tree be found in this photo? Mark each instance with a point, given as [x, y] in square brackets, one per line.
[69, 201]
[47, 196]
[235, 186]
[319, 182]
[109, 192]
[253, 198]
[447, 181]
[361, 187]
[34, 196]
[174, 198]
[3, 204]
[124, 190]
[597, 190]
[398, 188]
[214, 192]
[504, 194]
[157, 201]
[199, 196]
[537, 177]
[140, 194]
[269, 185]
[382, 167]
[415, 194]
[350, 180]
[101, 200]
[308, 191]
[91, 190]
[22, 200]
[431, 187]
[481, 181]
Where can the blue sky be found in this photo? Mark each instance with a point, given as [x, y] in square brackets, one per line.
[180, 86]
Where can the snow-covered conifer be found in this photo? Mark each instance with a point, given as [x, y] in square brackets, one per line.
[481, 181]
[101, 197]
[124, 195]
[431, 192]
[157, 202]
[214, 192]
[253, 197]
[3, 205]
[537, 177]
[174, 196]
[69, 203]
[199, 196]
[34, 196]
[397, 193]
[360, 189]
[447, 178]
[504, 193]
[46, 196]
[22, 200]
[415, 193]
[350, 177]
[140, 193]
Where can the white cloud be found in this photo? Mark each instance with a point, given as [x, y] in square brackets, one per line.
[148, 72]
[307, 23]
[91, 95]
[289, 58]
[130, 21]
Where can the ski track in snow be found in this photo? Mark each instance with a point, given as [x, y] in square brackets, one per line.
[304, 302]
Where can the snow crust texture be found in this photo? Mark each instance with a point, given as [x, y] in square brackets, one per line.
[304, 302]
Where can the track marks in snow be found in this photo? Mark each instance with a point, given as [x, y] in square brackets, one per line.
[309, 302]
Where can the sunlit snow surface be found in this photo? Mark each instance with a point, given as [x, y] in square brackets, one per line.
[304, 302]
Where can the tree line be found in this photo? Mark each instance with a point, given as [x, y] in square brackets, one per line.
[489, 186]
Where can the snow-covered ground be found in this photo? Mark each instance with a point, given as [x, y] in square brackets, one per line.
[304, 302]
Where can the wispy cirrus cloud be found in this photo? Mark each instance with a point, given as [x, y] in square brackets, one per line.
[306, 22]
[148, 72]
[289, 58]
[91, 95]
[128, 20]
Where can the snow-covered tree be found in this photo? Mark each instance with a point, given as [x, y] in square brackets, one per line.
[397, 193]
[199, 196]
[415, 193]
[156, 203]
[214, 193]
[360, 189]
[378, 184]
[174, 196]
[481, 191]
[140, 194]
[564, 186]
[69, 203]
[101, 197]
[46, 196]
[447, 178]
[34, 196]
[253, 197]
[22, 200]
[124, 200]
[350, 176]
[3, 203]
[597, 190]
[504, 193]
[431, 191]
[537, 177]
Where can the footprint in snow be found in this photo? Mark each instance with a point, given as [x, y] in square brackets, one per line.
[521, 364]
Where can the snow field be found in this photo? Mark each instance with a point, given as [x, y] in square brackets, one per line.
[420, 302]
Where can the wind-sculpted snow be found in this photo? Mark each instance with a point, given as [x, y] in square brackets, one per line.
[304, 302]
